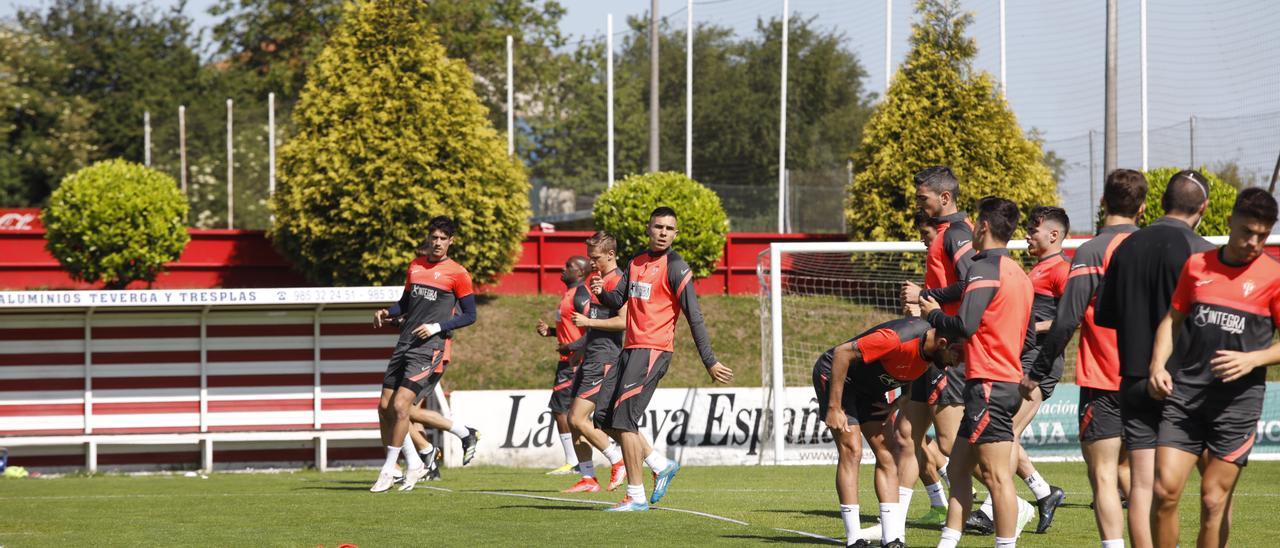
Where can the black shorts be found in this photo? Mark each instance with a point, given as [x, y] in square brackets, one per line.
[640, 369]
[416, 367]
[923, 388]
[589, 382]
[989, 407]
[1140, 414]
[859, 408]
[562, 387]
[951, 389]
[1220, 417]
[1099, 414]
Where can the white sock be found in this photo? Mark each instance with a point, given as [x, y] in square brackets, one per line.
[570, 456]
[587, 468]
[636, 492]
[426, 450]
[1002, 542]
[986, 507]
[950, 538]
[892, 524]
[459, 430]
[937, 495]
[1113, 543]
[393, 454]
[411, 457]
[1038, 486]
[656, 461]
[904, 496]
[942, 472]
[849, 514]
[613, 454]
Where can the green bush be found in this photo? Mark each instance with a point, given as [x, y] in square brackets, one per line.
[1221, 197]
[939, 110]
[116, 222]
[389, 134]
[624, 211]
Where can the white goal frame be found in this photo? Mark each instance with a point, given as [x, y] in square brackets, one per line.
[774, 386]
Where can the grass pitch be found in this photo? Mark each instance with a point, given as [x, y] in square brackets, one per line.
[501, 507]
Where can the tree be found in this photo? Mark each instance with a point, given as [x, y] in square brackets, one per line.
[940, 111]
[391, 133]
[117, 222]
[46, 133]
[1222, 197]
[624, 210]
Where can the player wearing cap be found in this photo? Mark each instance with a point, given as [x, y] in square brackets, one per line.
[435, 284]
[656, 286]
[850, 382]
[995, 319]
[597, 376]
[1227, 307]
[1133, 298]
[570, 343]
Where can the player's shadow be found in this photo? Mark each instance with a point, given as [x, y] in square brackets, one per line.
[822, 514]
[361, 487]
[555, 507]
[780, 539]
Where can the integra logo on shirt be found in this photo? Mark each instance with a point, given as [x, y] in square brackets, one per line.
[1231, 323]
[640, 290]
[425, 293]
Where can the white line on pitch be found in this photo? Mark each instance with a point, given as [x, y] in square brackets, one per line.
[810, 535]
[560, 499]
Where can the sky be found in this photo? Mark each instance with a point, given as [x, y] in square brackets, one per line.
[1217, 61]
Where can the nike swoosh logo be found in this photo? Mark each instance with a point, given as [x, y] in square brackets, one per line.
[630, 385]
[1203, 282]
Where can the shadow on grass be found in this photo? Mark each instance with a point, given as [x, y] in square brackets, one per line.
[555, 507]
[835, 514]
[779, 539]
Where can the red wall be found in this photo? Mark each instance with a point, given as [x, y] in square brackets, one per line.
[245, 258]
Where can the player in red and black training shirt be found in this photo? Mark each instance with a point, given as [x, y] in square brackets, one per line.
[1133, 299]
[597, 375]
[849, 383]
[435, 284]
[575, 300]
[938, 395]
[1213, 382]
[655, 287]
[995, 319]
[1097, 362]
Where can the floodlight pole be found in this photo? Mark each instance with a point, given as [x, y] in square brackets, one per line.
[182, 146]
[1142, 75]
[782, 123]
[230, 170]
[511, 113]
[688, 92]
[1004, 78]
[271, 144]
[888, 43]
[609, 88]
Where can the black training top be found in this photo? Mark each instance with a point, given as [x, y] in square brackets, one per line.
[1138, 287]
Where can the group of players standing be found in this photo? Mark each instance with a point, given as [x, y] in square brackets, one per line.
[616, 332]
[1175, 338]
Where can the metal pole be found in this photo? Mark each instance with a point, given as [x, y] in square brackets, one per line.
[1275, 174]
[1004, 80]
[1109, 114]
[230, 170]
[888, 43]
[653, 86]
[182, 146]
[609, 88]
[1142, 74]
[782, 124]
[778, 384]
[1093, 199]
[146, 138]
[1193, 143]
[271, 143]
[511, 113]
[688, 92]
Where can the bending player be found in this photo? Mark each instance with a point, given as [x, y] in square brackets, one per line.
[655, 287]
[598, 369]
[1213, 384]
[1046, 228]
[433, 286]
[938, 395]
[575, 300]
[850, 382]
[995, 319]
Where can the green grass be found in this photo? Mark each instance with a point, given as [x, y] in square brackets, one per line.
[327, 509]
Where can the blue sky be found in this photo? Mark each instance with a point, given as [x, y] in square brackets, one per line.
[1219, 61]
